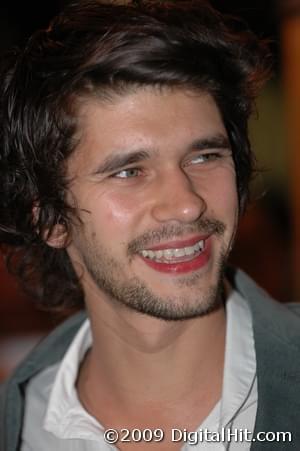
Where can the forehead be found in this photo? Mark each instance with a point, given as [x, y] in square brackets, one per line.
[162, 120]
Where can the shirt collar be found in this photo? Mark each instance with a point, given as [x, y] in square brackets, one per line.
[240, 358]
[65, 416]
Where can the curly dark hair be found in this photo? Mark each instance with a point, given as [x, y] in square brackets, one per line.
[97, 49]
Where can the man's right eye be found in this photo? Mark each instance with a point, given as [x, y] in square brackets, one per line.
[126, 173]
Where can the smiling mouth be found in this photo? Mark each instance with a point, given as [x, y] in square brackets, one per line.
[174, 255]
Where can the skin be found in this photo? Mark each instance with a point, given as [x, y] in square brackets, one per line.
[150, 371]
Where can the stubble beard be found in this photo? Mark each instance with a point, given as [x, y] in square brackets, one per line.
[134, 294]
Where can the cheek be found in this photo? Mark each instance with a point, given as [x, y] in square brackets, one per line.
[231, 206]
[223, 197]
[119, 208]
[113, 215]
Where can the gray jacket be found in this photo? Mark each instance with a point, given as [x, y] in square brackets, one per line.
[277, 344]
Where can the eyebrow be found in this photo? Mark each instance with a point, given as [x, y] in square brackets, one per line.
[218, 141]
[121, 159]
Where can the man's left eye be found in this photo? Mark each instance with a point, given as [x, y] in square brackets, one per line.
[126, 173]
[209, 157]
[204, 157]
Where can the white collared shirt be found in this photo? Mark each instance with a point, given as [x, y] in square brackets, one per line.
[55, 419]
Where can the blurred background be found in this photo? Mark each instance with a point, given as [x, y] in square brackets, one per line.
[268, 244]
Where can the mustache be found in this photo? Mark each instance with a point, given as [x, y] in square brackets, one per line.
[203, 226]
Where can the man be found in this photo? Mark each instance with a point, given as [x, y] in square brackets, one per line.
[125, 167]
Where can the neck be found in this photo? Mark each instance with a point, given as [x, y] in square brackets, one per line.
[138, 361]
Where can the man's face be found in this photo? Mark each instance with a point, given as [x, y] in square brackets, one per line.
[154, 181]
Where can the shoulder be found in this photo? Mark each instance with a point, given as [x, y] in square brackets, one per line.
[46, 354]
[294, 307]
[52, 348]
[272, 320]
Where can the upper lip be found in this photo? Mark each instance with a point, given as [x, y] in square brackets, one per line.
[178, 243]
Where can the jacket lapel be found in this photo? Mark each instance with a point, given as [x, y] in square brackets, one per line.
[277, 345]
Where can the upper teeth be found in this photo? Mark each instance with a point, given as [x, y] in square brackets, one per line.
[168, 254]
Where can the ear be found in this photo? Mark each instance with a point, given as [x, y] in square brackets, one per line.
[58, 235]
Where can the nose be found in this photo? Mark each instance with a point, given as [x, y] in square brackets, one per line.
[177, 199]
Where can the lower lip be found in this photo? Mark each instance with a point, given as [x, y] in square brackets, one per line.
[183, 267]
